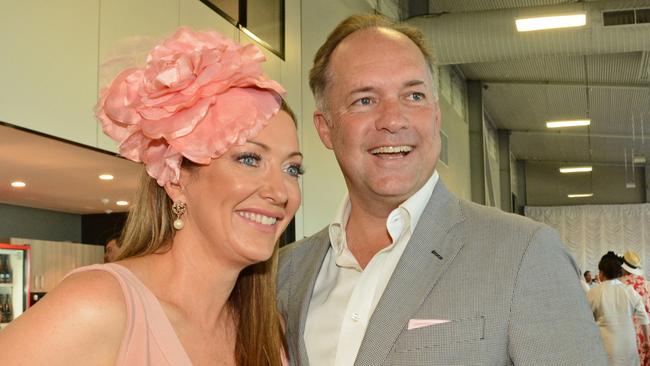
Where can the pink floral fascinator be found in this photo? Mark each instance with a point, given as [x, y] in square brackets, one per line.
[198, 94]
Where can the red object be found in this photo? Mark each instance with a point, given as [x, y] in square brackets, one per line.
[24, 272]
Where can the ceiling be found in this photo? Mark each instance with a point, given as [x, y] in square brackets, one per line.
[62, 176]
[596, 71]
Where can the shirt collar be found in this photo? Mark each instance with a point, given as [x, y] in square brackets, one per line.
[417, 202]
[413, 207]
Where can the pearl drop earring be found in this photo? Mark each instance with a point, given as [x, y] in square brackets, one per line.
[179, 209]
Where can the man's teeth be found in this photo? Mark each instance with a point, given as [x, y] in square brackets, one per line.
[264, 220]
[391, 150]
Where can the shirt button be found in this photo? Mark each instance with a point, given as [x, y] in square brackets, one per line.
[356, 317]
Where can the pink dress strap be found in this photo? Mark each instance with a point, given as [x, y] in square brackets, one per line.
[149, 338]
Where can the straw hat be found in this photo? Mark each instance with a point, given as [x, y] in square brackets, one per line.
[632, 263]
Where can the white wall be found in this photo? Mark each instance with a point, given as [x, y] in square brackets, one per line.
[48, 68]
[323, 185]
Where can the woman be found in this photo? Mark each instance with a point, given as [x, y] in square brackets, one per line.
[194, 280]
[633, 277]
[614, 304]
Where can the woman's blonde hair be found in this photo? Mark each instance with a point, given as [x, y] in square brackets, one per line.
[148, 230]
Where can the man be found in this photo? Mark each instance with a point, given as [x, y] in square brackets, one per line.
[589, 279]
[633, 277]
[407, 274]
[112, 248]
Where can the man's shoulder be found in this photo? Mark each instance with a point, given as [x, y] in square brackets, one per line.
[490, 217]
[304, 245]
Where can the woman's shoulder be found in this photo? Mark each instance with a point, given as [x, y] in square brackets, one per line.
[94, 287]
[83, 318]
[90, 298]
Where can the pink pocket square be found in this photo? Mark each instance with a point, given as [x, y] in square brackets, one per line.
[421, 323]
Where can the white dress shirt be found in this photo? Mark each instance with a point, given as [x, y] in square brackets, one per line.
[345, 295]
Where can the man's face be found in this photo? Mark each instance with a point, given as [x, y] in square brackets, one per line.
[588, 277]
[380, 116]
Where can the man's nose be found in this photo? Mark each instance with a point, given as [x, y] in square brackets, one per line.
[392, 117]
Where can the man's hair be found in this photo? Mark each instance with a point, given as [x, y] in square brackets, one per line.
[319, 74]
[115, 236]
[585, 274]
[610, 265]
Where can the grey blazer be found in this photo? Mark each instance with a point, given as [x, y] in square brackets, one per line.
[507, 285]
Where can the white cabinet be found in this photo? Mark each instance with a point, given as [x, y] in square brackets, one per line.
[51, 260]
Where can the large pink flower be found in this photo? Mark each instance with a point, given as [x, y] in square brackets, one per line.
[198, 94]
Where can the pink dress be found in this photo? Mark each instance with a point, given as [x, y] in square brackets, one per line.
[149, 338]
[641, 287]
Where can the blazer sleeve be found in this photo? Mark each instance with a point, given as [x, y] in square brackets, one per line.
[550, 321]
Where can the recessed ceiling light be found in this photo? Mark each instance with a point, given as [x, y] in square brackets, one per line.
[18, 184]
[571, 123]
[579, 195]
[106, 177]
[576, 169]
[552, 22]
[122, 203]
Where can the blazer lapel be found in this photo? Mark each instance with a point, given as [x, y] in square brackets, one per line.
[306, 269]
[425, 258]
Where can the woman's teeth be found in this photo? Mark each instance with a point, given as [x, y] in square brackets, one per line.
[259, 218]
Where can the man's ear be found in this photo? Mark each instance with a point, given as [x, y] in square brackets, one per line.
[323, 128]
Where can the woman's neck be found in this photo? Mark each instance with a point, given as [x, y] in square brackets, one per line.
[191, 281]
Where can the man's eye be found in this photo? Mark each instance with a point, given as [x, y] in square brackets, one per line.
[416, 96]
[363, 101]
[249, 159]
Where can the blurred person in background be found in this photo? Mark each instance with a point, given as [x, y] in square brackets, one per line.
[614, 304]
[194, 282]
[112, 248]
[633, 276]
[589, 279]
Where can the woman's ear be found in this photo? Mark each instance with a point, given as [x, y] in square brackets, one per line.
[175, 191]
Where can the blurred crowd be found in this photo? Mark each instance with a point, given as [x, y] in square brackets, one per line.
[620, 302]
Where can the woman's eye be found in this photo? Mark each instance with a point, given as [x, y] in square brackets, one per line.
[295, 170]
[249, 159]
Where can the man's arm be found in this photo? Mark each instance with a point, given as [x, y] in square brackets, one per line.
[550, 320]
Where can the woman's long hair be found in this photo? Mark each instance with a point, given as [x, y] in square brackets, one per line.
[260, 338]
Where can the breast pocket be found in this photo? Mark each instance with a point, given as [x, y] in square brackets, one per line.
[454, 333]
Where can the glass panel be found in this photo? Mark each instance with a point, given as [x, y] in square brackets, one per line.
[265, 19]
[229, 8]
[618, 17]
[643, 16]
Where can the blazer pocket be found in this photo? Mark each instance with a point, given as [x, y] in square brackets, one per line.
[451, 333]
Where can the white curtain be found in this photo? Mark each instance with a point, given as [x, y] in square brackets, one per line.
[591, 231]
